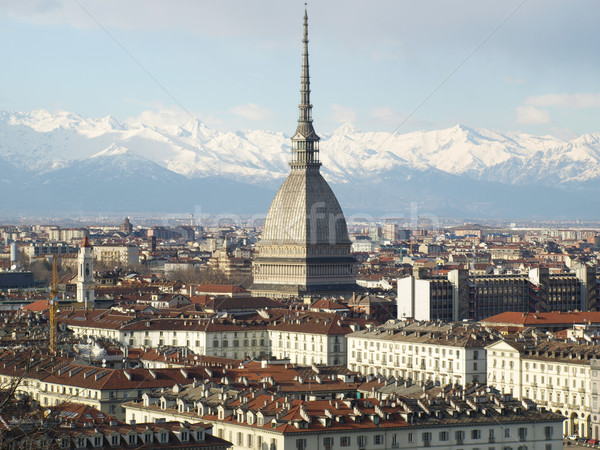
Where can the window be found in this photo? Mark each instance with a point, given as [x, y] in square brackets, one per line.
[507, 432]
[444, 436]
[97, 441]
[345, 441]
[301, 444]
[240, 438]
[163, 437]
[522, 434]
[459, 436]
[491, 435]
[394, 441]
[250, 440]
[410, 437]
[328, 442]
[378, 439]
[426, 437]
[548, 432]
[362, 441]
[131, 439]
[475, 434]
[184, 436]
[114, 440]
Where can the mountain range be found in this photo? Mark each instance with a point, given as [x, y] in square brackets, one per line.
[64, 163]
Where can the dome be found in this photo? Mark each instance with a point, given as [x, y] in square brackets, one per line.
[305, 212]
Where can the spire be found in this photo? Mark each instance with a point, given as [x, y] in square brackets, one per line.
[305, 142]
[305, 106]
[86, 242]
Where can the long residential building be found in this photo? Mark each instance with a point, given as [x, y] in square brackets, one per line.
[302, 337]
[54, 380]
[422, 351]
[449, 419]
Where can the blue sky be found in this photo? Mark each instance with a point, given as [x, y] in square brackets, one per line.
[383, 65]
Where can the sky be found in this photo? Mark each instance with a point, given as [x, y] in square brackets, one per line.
[385, 65]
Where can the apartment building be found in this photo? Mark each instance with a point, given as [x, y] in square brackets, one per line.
[456, 295]
[302, 337]
[556, 375]
[117, 255]
[449, 419]
[422, 351]
[53, 380]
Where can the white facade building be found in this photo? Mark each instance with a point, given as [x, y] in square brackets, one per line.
[555, 375]
[444, 353]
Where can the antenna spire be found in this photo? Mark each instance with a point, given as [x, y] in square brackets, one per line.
[305, 143]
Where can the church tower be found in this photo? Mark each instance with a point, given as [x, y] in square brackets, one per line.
[304, 249]
[85, 273]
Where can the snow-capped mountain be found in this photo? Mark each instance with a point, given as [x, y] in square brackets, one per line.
[456, 171]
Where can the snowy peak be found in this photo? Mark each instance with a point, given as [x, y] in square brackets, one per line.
[113, 150]
[43, 141]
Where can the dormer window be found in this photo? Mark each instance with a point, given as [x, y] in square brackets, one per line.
[184, 436]
[163, 437]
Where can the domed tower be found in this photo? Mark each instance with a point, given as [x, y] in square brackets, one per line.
[304, 248]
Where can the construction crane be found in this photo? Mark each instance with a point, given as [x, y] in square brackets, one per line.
[53, 338]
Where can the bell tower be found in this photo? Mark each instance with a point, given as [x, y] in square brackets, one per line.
[85, 273]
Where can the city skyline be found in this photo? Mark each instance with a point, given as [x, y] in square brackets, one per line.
[509, 67]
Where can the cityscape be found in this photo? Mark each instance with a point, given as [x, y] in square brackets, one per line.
[191, 288]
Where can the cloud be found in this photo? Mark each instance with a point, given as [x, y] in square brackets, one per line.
[251, 112]
[343, 114]
[579, 101]
[530, 115]
[161, 118]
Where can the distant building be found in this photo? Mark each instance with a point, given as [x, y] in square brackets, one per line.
[66, 234]
[117, 255]
[456, 295]
[126, 226]
[16, 280]
[390, 231]
[34, 250]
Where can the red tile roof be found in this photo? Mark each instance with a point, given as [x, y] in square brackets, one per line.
[553, 318]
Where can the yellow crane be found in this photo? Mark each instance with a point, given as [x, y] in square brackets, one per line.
[53, 338]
